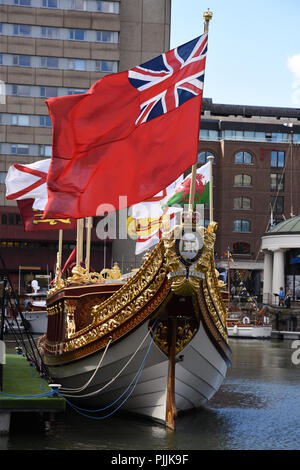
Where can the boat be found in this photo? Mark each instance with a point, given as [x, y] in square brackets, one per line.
[154, 342]
[249, 323]
[33, 318]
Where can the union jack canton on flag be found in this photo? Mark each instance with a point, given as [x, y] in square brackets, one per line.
[171, 79]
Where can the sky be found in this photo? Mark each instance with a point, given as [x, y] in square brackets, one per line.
[253, 49]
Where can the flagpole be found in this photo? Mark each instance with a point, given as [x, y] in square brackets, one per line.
[79, 242]
[207, 15]
[211, 203]
[88, 243]
[60, 242]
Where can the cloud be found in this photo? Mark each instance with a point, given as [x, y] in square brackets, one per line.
[293, 64]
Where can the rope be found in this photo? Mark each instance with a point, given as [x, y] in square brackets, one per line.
[133, 383]
[114, 378]
[80, 389]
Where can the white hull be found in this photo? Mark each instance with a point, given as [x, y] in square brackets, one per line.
[259, 331]
[199, 372]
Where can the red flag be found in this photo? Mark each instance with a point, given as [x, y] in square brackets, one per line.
[132, 134]
[70, 260]
[33, 222]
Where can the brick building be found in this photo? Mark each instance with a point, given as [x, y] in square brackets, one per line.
[256, 173]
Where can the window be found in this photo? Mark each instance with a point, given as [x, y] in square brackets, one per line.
[48, 92]
[50, 3]
[75, 91]
[21, 30]
[22, 60]
[277, 159]
[241, 248]
[50, 33]
[45, 121]
[240, 225]
[1, 60]
[2, 176]
[242, 180]
[241, 203]
[202, 156]
[23, 3]
[106, 66]
[78, 5]
[20, 149]
[277, 203]
[77, 34]
[107, 36]
[276, 182]
[21, 90]
[19, 120]
[45, 150]
[77, 64]
[108, 7]
[49, 62]
[243, 158]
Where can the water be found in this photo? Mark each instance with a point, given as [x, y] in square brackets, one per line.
[257, 408]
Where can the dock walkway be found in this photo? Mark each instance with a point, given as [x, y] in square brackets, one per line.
[24, 391]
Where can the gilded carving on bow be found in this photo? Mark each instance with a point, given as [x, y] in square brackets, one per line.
[185, 331]
[125, 303]
[112, 274]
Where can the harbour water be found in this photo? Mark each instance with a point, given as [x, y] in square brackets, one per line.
[257, 408]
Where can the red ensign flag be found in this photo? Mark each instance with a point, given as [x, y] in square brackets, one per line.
[132, 134]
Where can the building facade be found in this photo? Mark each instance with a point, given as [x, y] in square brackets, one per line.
[51, 48]
[256, 170]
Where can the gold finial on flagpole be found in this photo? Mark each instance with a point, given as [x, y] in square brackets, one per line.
[207, 15]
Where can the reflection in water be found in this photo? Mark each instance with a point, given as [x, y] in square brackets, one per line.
[257, 407]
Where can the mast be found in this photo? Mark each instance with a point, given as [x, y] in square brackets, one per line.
[207, 15]
[79, 242]
[89, 224]
[171, 412]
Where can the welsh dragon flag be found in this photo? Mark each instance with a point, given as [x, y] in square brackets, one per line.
[181, 195]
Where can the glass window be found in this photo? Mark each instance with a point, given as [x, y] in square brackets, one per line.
[77, 34]
[106, 66]
[276, 182]
[75, 91]
[48, 92]
[2, 176]
[241, 203]
[19, 120]
[1, 60]
[21, 90]
[50, 33]
[49, 62]
[20, 149]
[277, 203]
[45, 121]
[241, 225]
[108, 7]
[23, 3]
[202, 156]
[77, 64]
[22, 60]
[243, 158]
[78, 4]
[242, 180]
[50, 3]
[241, 248]
[277, 159]
[4, 219]
[24, 30]
[107, 36]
